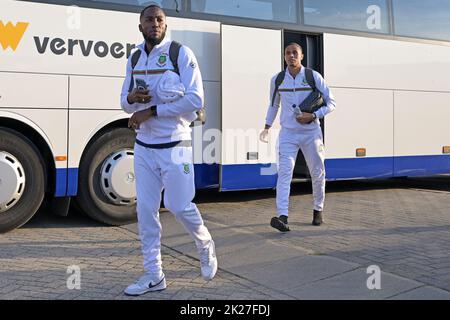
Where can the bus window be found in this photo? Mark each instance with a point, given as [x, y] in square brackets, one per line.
[277, 10]
[423, 19]
[359, 15]
[166, 4]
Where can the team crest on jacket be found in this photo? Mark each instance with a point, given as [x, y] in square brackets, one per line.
[162, 60]
[321, 148]
[186, 168]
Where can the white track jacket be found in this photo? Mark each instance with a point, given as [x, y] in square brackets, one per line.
[292, 92]
[173, 119]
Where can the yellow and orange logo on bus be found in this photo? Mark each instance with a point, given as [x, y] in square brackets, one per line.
[10, 35]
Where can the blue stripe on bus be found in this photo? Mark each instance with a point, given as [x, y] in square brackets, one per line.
[61, 182]
[72, 182]
[359, 168]
[66, 182]
[206, 176]
[248, 176]
[429, 165]
[386, 167]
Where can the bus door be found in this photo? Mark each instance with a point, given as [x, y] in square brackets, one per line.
[313, 57]
[250, 57]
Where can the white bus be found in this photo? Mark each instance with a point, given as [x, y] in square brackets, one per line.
[62, 63]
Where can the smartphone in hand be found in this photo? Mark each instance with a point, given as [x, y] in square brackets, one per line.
[141, 85]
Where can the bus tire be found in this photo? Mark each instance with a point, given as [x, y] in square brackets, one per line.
[91, 199]
[18, 153]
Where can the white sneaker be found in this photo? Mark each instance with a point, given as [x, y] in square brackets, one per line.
[208, 262]
[146, 283]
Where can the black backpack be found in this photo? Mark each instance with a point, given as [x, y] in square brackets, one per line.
[174, 52]
[313, 102]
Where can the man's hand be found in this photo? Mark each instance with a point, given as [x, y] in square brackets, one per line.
[263, 136]
[139, 96]
[138, 117]
[305, 118]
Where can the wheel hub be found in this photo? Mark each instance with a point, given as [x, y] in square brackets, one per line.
[12, 181]
[117, 178]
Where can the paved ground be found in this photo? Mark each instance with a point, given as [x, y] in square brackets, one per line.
[34, 263]
[402, 226]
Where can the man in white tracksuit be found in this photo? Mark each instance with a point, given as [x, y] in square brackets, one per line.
[163, 152]
[298, 132]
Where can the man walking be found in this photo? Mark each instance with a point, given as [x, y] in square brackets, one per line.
[163, 151]
[298, 131]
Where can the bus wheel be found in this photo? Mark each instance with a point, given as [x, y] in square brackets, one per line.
[22, 179]
[106, 184]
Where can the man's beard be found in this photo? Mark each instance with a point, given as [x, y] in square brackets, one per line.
[154, 41]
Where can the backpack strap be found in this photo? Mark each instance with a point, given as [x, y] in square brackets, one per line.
[312, 83]
[310, 78]
[174, 52]
[279, 79]
[134, 60]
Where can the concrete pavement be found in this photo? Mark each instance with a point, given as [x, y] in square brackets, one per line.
[401, 226]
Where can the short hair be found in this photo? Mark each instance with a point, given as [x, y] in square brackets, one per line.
[294, 44]
[153, 5]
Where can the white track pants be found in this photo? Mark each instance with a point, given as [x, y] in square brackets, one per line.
[311, 144]
[155, 170]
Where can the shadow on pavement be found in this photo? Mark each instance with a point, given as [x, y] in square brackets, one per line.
[76, 218]
[436, 183]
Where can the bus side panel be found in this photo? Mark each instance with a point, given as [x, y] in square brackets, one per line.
[421, 122]
[359, 62]
[245, 99]
[71, 41]
[24, 90]
[203, 38]
[363, 119]
[406, 71]
[54, 123]
[84, 124]
[95, 93]
[206, 140]
[42, 99]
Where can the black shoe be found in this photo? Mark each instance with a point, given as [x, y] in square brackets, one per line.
[317, 218]
[284, 219]
[280, 223]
